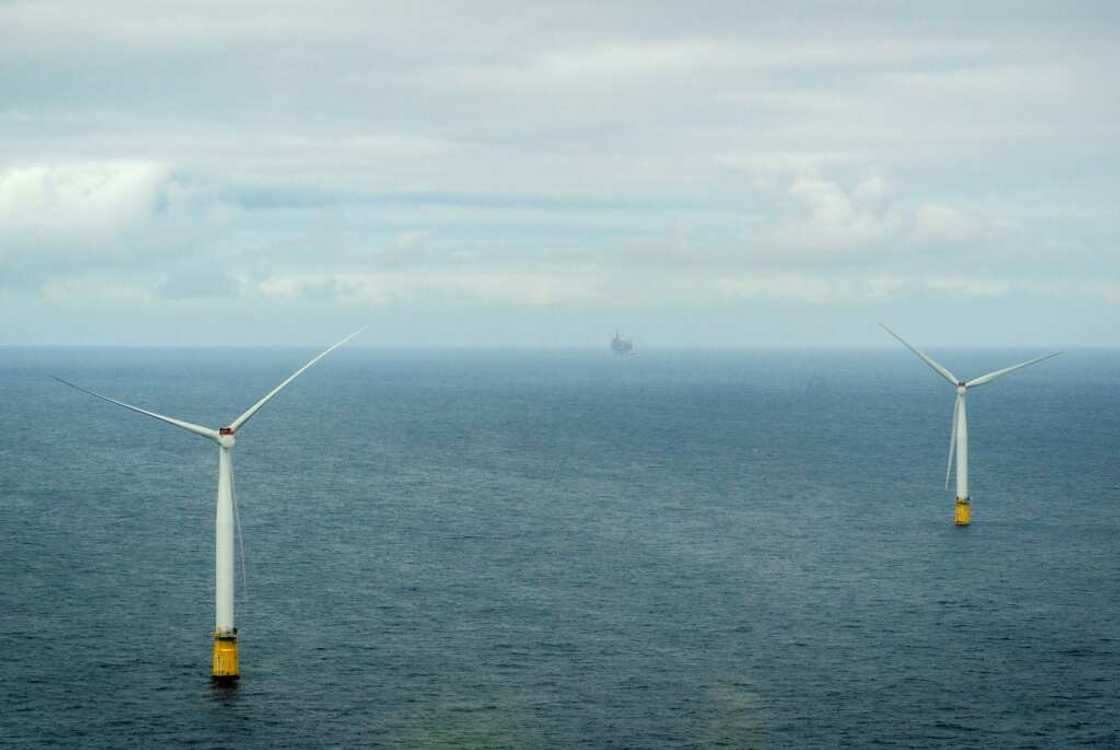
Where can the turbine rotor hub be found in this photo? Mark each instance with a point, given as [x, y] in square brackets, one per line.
[225, 437]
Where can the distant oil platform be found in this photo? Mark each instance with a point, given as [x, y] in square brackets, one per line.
[620, 346]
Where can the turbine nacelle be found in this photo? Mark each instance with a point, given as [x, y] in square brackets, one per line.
[961, 387]
[225, 437]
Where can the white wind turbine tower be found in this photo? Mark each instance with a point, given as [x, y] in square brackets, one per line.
[225, 663]
[958, 436]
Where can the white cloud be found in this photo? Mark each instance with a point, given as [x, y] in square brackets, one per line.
[79, 200]
[940, 224]
[379, 289]
[200, 284]
[832, 218]
[58, 220]
[816, 289]
[1081, 290]
[95, 290]
[964, 286]
[146, 26]
[871, 289]
[613, 63]
[768, 169]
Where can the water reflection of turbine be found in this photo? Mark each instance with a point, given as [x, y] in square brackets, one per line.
[958, 435]
[225, 664]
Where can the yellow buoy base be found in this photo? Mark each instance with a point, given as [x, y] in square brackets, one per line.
[225, 665]
[962, 515]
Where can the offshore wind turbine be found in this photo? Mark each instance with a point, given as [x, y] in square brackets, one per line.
[958, 435]
[225, 664]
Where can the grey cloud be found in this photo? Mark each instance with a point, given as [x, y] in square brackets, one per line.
[199, 285]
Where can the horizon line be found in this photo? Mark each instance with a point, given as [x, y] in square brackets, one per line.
[581, 348]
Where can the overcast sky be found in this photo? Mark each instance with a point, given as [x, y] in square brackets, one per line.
[540, 174]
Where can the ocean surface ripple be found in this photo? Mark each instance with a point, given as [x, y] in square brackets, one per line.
[562, 549]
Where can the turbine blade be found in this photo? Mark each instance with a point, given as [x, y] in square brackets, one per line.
[256, 407]
[942, 371]
[205, 432]
[952, 440]
[1000, 373]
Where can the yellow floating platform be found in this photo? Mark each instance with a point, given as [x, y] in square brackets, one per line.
[225, 665]
[962, 515]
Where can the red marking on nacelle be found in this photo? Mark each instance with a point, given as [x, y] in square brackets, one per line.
[225, 430]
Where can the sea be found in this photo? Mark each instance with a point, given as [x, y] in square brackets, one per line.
[562, 549]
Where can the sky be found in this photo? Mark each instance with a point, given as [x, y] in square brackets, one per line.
[522, 174]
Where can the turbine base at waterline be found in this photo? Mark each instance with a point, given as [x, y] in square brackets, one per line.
[225, 664]
[962, 513]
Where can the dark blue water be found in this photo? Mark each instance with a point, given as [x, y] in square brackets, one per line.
[464, 549]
